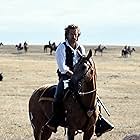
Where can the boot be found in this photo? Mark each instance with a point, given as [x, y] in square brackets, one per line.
[54, 121]
[102, 126]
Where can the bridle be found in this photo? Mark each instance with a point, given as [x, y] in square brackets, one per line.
[90, 66]
[80, 80]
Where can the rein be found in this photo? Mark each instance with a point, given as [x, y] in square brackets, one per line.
[84, 93]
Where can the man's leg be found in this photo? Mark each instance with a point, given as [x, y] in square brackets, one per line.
[57, 107]
[54, 120]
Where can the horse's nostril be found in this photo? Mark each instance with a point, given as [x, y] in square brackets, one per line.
[91, 72]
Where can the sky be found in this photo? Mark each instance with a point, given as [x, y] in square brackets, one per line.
[101, 21]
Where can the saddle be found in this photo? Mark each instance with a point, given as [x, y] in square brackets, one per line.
[48, 95]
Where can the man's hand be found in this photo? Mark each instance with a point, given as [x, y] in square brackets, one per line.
[69, 73]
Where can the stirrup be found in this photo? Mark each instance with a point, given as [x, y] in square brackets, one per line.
[52, 124]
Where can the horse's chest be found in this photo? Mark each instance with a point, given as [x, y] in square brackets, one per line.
[75, 116]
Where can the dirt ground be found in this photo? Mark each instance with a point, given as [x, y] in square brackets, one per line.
[118, 85]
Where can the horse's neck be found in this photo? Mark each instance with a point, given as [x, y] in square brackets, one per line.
[53, 45]
[87, 86]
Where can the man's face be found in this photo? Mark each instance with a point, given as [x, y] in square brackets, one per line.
[72, 36]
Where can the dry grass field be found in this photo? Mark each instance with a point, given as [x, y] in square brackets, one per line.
[118, 85]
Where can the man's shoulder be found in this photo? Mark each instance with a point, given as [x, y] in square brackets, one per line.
[60, 46]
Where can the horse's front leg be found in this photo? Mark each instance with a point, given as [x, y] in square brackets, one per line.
[51, 51]
[94, 52]
[101, 53]
[70, 134]
[90, 131]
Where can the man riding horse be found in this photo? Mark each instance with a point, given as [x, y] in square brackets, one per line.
[68, 54]
[126, 51]
[52, 47]
[99, 49]
[25, 46]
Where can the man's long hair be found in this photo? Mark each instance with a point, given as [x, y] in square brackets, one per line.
[72, 26]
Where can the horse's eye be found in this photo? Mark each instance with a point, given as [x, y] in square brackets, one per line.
[83, 67]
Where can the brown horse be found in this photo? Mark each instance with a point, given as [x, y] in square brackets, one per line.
[79, 110]
[99, 49]
[52, 47]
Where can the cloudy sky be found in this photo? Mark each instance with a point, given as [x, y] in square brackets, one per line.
[100, 21]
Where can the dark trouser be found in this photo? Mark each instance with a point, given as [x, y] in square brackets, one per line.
[59, 94]
[57, 117]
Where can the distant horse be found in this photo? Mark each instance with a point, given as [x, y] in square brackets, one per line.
[52, 47]
[99, 49]
[47, 46]
[25, 46]
[79, 110]
[126, 51]
[1, 44]
[1, 77]
[19, 47]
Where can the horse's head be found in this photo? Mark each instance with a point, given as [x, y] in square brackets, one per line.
[53, 43]
[84, 71]
[104, 47]
[133, 49]
[53, 46]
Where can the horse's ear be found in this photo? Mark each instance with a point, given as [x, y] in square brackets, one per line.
[89, 54]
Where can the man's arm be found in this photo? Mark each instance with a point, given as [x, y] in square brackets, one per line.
[61, 58]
